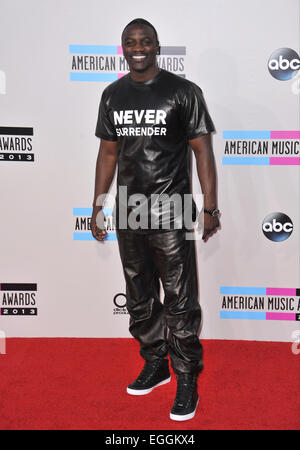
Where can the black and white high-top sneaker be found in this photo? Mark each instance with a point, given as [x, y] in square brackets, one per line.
[155, 373]
[186, 399]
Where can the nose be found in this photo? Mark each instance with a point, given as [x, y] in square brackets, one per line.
[139, 47]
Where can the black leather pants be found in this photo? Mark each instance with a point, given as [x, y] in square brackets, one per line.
[172, 326]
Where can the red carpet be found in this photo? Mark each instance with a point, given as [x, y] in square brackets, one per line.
[80, 384]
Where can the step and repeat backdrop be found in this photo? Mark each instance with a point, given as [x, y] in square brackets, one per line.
[56, 58]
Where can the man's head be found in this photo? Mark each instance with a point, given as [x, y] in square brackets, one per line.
[140, 45]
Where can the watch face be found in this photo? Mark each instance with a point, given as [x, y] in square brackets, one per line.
[215, 212]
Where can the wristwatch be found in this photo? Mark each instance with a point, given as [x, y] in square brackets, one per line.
[212, 212]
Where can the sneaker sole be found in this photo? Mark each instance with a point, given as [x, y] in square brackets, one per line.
[189, 416]
[147, 391]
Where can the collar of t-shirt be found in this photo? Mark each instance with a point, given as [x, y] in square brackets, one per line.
[145, 83]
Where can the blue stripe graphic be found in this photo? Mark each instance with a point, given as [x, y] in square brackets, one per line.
[94, 49]
[87, 236]
[243, 290]
[88, 211]
[246, 134]
[93, 76]
[82, 211]
[245, 161]
[242, 315]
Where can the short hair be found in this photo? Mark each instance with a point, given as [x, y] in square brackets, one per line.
[140, 21]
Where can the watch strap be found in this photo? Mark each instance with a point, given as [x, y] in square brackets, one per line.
[212, 212]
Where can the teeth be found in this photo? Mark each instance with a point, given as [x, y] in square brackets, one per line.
[139, 57]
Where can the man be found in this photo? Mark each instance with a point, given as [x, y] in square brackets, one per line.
[147, 121]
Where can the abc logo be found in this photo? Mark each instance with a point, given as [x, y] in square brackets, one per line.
[277, 227]
[284, 64]
[120, 300]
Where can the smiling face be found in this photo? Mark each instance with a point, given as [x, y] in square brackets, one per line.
[140, 48]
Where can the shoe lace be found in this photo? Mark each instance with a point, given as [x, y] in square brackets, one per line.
[149, 368]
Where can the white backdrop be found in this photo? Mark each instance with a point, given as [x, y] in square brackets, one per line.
[227, 45]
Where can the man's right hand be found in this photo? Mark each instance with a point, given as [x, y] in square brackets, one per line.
[98, 233]
[105, 170]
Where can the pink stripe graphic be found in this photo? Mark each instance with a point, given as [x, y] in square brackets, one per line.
[120, 75]
[280, 316]
[120, 50]
[288, 161]
[280, 291]
[294, 134]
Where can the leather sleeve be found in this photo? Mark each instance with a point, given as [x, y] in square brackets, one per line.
[194, 114]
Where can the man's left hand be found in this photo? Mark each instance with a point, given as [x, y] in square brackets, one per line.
[211, 224]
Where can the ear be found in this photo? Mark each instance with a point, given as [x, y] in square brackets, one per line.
[158, 48]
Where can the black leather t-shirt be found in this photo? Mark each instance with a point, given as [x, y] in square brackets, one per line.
[152, 122]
